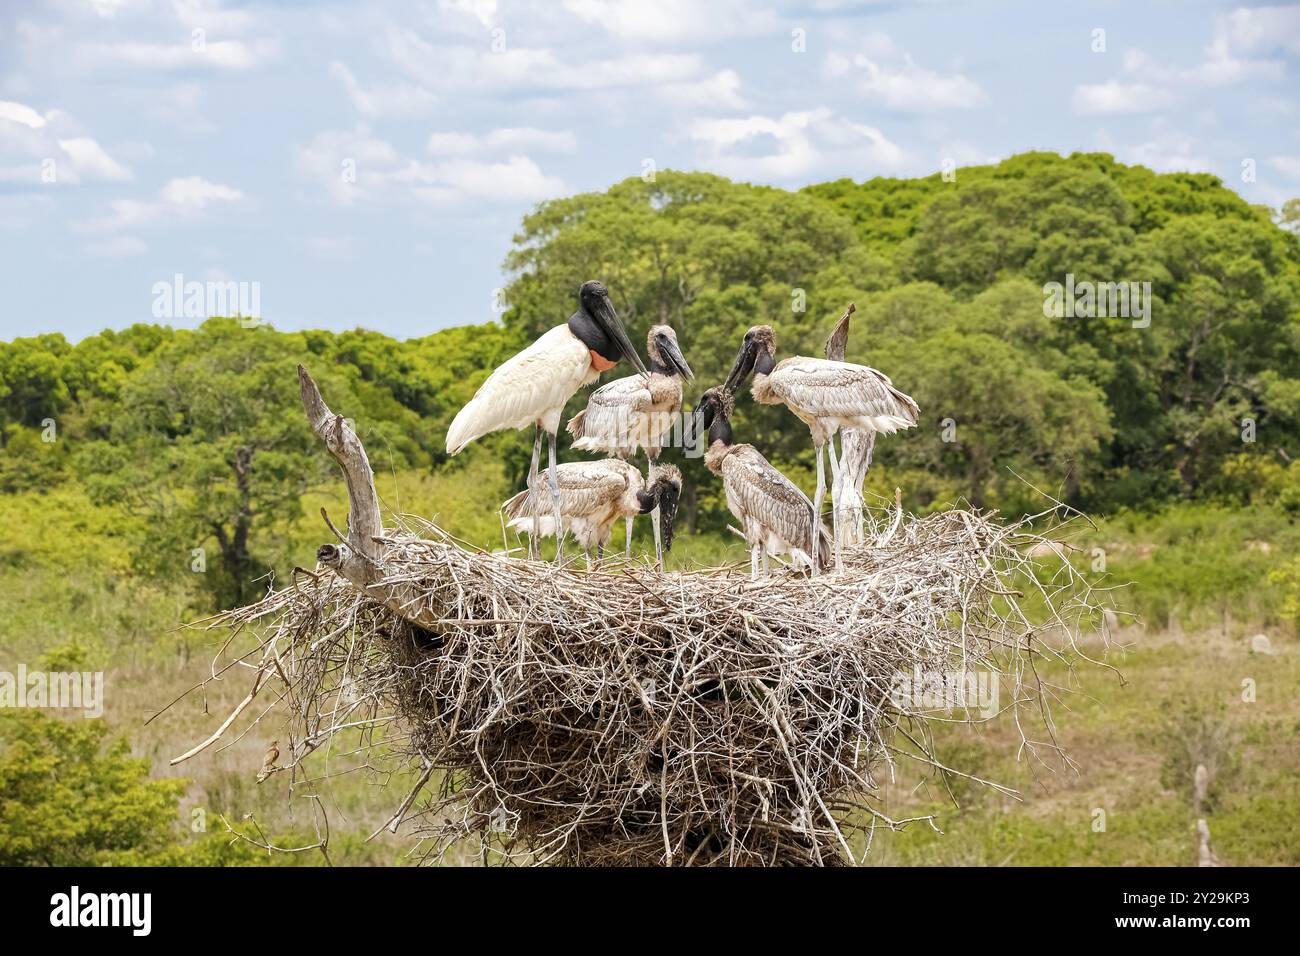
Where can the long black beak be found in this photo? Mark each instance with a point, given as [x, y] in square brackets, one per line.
[672, 354]
[613, 327]
[703, 415]
[745, 359]
[668, 498]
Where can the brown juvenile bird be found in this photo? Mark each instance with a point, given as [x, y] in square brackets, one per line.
[268, 761]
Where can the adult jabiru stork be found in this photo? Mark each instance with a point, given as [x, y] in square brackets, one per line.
[826, 396]
[636, 412]
[532, 387]
[593, 495]
[775, 516]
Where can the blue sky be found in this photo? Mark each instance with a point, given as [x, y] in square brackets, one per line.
[367, 163]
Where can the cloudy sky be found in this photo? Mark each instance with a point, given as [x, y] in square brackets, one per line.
[367, 163]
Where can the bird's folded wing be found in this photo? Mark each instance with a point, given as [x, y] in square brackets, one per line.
[825, 388]
[585, 487]
[541, 377]
[769, 496]
[610, 408]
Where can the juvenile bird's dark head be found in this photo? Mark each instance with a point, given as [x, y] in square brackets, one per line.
[665, 354]
[667, 490]
[758, 343]
[713, 414]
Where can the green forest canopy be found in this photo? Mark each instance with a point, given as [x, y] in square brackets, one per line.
[202, 430]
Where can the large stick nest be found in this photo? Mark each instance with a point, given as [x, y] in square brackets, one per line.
[625, 716]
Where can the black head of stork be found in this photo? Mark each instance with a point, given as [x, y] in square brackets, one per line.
[757, 351]
[713, 412]
[598, 325]
[664, 492]
[665, 354]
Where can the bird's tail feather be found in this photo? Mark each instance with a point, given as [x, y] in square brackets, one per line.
[541, 526]
[577, 424]
[461, 432]
[514, 506]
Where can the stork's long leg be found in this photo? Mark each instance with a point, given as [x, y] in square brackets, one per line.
[627, 551]
[753, 562]
[587, 552]
[835, 511]
[762, 550]
[532, 483]
[820, 494]
[554, 476]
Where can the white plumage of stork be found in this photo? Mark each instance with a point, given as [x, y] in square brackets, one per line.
[775, 516]
[532, 387]
[635, 412]
[593, 495]
[826, 396]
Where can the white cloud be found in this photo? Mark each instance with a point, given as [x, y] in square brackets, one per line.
[211, 17]
[891, 78]
[34, 147]
[1237, 53]
[537, 70]
[484, 11]
[350, 164]
[111, 8]
[669, 21]
[397, 100]
[518, 179]
[89, 161]
[719, 91]
[1168, 151]
[167, 57]
[18, 113]
[196, 192]
[1116, 97]
[1251, 30]
[180, 199]
[794, 146]
[355, 166]
[511, 138]
[1288, 166]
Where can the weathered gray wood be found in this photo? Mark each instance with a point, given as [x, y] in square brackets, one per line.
[358, 560]
[855, 450]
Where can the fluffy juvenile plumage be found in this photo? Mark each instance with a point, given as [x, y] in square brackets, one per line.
[826, 395]
[635, 411]
[775, 516]
[593, 495]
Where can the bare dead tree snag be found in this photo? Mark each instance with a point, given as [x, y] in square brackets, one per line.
[856, 449]
[359, 560]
